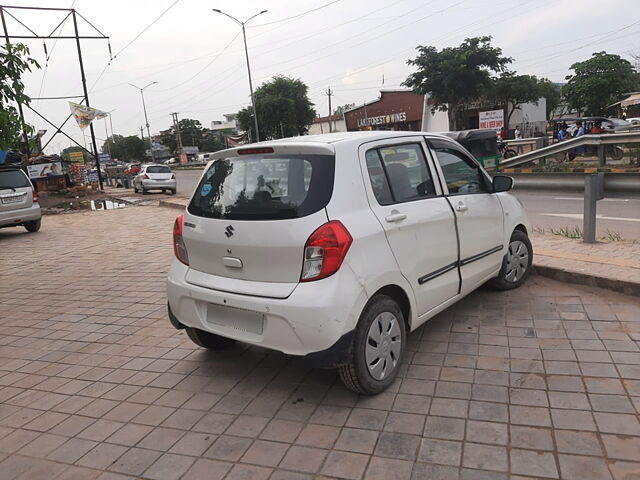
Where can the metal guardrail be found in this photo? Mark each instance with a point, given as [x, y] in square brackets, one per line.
[614, 183]
[561, 147]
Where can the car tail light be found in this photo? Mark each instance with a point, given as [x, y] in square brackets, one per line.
[255, 151]
[145, 177]
[325, 250]
[179, 247]
[35, 196]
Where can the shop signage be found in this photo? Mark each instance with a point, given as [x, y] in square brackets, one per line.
[42, 170]
[382, 119]
[493, 119]
[104, 157]
[76, 157]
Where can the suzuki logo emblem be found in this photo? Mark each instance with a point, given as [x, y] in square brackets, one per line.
[228, 231]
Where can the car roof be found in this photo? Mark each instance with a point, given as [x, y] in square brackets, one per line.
[360, 136]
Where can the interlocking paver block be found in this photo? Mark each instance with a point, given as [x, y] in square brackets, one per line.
[539, 382]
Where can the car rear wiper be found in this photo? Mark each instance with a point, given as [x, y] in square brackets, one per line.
[7, 186]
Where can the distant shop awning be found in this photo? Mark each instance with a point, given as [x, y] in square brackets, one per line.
[633, 99]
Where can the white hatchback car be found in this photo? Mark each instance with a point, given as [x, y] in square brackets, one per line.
[155, 177]
[335, 246]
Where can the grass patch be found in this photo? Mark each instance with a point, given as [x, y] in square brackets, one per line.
[612, 236]
[574, 233]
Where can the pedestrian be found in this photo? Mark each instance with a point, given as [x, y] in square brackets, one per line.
[562, 132]
[518, 136]
[597, 129]
[579, 132]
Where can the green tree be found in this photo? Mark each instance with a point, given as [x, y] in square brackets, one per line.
[598, 82]
[510, 91]
[456, 76]
[284, 109]
[125, 149]
[191, 132]
[14, 62]
[343, 108]
[552, 94]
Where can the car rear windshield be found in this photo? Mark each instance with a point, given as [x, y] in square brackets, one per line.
[13, 179]
[264, 187]
[158, 170]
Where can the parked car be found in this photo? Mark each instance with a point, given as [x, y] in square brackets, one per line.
[132, 169]
[155, 177]
[635, 121]
[334, 247]
[18, 200]
[172, 161]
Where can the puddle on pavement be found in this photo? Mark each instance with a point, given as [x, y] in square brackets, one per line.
[87, 205]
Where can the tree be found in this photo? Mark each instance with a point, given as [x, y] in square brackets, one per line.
[14, 62]
[284, 109]
[552, 94]
[125, 149]
[456, 76]
[343, 108]
[510, 91]
[194, 134]
[599, 82]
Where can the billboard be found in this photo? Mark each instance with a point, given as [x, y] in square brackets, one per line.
[104, 157]
[76, 157]
[492, 119]
[42, 170]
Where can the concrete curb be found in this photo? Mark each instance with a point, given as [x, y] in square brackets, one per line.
[170, 204]
[620, 286]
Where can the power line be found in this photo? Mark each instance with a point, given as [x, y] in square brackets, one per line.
[131, 42]
[295, 16]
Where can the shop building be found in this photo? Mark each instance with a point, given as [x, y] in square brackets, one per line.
[394, 110]
[333, 123]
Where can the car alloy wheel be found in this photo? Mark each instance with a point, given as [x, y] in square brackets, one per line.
[517, 261]
[384, 345]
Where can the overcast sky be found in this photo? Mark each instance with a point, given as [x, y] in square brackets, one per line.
[348, 45]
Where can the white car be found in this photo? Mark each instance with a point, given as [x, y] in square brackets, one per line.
[18, 200]
[335, 246]
[155, 177]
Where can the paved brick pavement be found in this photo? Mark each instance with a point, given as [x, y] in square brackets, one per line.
[542, 382]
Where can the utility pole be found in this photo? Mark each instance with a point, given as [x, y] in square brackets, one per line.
[142, 133]
[146, 119]
[246, 53]
[328, 93]
[86, 98]
[176, 127]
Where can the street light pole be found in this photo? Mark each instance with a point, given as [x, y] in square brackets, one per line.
[246, 53]
[146, 119]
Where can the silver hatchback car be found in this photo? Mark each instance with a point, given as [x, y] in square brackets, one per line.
[18, 200]
[155, 177]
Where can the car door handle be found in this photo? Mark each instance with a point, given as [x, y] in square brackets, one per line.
[395, 216]
[461, 207]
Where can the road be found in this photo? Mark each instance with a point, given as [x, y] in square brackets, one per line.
[545, 209]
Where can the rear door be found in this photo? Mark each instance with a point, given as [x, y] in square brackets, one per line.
[250, 217]
[417, 219]
[15, 190]
[478, 212]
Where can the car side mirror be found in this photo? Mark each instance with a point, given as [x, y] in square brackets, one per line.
[502, 183]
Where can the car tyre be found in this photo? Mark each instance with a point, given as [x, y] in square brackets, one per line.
[144, 191]
[174, 191]
[207, 340]
[33, 226]
[516, 264]
[135, 188]
[378, 344]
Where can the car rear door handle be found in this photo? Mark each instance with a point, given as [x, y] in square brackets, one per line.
[461, 207]
[395, 216]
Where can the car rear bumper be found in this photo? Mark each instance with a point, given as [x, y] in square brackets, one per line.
[312, 320]
[153, 184]
[19, 216]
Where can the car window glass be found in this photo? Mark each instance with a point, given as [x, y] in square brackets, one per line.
[406, 172]
[158, 169]
[460, 173]
[13, 179]
[379, 182]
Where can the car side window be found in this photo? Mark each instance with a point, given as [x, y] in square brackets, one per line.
[399, 174]
[461, 174]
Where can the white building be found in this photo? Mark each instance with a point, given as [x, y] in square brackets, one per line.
[230, 122]
[321, 125]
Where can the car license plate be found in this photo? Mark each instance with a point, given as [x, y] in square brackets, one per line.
[12, 199]
[236, 318]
